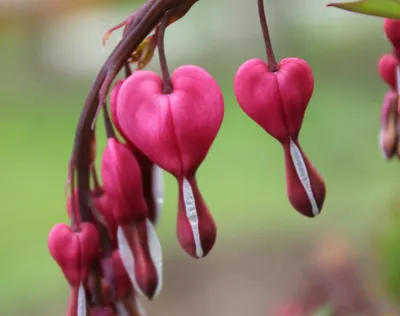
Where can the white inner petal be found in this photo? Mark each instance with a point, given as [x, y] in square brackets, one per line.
[398, 79]
[127, 258]
[158, 190]
[155, 254]
[81, 309]
[302, 173]
[121, 309]
[191, 214]
[140, 308]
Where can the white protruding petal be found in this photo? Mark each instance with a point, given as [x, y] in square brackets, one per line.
[398, 79]
[155, 254]
[81, 309]
[121, 309]
[158, 190]
[302, 173]
[140, 308]
[192, 216]
[127, 258]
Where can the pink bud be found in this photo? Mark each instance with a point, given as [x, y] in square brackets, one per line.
[141, 255]
[392, 30]
[388, 137]
[174, 130]
[196, 228]
[74, 251]
[275, 101]
[305, 187]
[113, 105]
[122, 181]
[387, 67]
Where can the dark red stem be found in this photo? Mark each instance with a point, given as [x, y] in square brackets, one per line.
[272, 64]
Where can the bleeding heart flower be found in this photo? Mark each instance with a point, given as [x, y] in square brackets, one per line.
[388, 137]
[277, 101]
[75, 251]
[392, 30]
[122, 181]
[152, 175]
[388, 70]
[141, 255]
[176, 131]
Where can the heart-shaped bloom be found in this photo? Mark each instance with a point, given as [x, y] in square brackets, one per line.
[277, 101]
[389, 70]
[392, 30]
[75, 252]
[152, 175]
[388, 137]
[176, 131]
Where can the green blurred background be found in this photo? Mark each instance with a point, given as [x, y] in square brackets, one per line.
[50, 52]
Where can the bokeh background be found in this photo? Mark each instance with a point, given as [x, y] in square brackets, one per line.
[50, 51]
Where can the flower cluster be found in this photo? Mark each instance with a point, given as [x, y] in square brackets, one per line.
[389, 70]
[110, 254]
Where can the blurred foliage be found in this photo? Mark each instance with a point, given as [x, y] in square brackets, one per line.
[389, 249]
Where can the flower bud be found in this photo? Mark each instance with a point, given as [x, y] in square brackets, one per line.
[102, 311]
[388, 137]
[75, 252]
[184, 123]
[387, 67]
[275, 101]
[392, 30]
[141, 255]
[305, 187]
[122, 181]
[196, 228]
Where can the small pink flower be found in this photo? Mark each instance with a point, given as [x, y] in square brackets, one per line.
[387, 67]
[75, 252]
[277, 101]
[176, 131]
[392, 30]
[388, 137]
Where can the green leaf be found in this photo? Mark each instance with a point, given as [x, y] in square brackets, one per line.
[382, 8]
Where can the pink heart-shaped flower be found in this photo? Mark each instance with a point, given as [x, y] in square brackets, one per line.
[74, 251]
[174, 130]
[275, 101]
[387, 67]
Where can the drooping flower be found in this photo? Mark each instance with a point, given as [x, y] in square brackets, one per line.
[388, 137]
[75, 252]
[277, 101]
[176, 131]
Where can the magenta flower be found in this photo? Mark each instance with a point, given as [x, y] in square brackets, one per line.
[277, 101]
[176, 131]
[388, 137]
[137, 240]
[75, 251]
[387, 67]
[392, 30]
